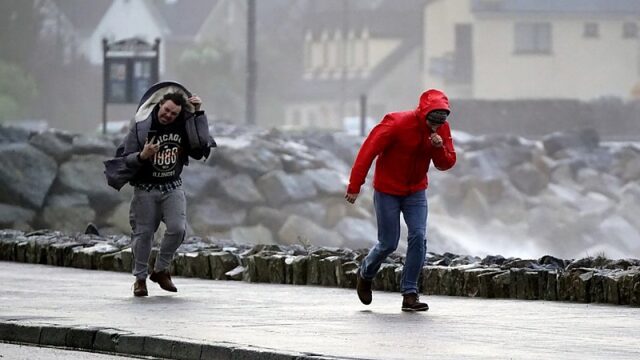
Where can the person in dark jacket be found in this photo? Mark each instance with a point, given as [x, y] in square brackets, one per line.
[157, 148]
[405, 144]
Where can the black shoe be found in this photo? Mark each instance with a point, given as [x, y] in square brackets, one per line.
[140, 288]
[164, 280]
[411, 302]
[363, 287]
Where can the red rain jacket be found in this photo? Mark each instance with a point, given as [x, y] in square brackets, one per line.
[402, 143]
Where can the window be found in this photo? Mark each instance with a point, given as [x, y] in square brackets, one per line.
[630, 30]
[532, 38]
[308, 54]
[591, 30]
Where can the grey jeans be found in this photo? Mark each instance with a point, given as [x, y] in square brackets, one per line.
[148, 208]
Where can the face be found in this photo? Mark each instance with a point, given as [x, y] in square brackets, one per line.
[168, 112]
[436, 118]
[433, 126]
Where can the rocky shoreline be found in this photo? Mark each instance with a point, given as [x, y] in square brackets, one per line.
[568, 194]
[587, 280]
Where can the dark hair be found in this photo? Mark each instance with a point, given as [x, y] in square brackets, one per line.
[176, 98]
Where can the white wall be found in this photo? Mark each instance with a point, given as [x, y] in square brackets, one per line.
[124, 19]
[577, 67]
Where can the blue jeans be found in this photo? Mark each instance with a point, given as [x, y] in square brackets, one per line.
[388, 208]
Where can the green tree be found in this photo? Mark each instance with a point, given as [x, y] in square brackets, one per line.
[20, 25]
[18, 91]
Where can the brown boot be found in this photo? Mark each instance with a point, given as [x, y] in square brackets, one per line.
[140, 288]
[164, 280]
[363, 287]
[411, 302]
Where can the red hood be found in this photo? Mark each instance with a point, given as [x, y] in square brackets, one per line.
[432, 100]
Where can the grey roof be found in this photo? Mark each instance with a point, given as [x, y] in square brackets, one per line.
[557, 6]
[184, 17]
[84, 15]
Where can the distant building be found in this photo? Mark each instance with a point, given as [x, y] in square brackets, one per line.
[353, 48]
[83, 24]
[515, 49]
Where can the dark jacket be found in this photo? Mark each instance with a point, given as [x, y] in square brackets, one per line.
[125, 165]
[401, 141]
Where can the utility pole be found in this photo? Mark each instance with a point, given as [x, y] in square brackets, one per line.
[343, 61]
[251, 62]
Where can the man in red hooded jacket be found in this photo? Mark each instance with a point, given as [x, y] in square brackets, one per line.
[405, 144]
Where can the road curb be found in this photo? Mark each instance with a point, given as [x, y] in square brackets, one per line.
[119, 342]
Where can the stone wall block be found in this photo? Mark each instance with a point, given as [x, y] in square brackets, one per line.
[430, 280]
[277, 269]
[581, 284]
[502, 284]
[81, 259]
[221, 263]
[471, 285]
[313, 269]
[443, 278]
[531, 285]
[541, 284]
[123, 261]
[298, 270]
[596, 290]
[8, 249]
[551, 286]
[485, 283]
[197, 265]
[472, 282]
[386, 278]
[328, 267]
[257, 269]
[21, 251]
[32, 252]
[635, 290]
[456, 282]
[610, 287]
[625, 287]
[562, 288]
[59, 254]
[350, 274]
[106, 262]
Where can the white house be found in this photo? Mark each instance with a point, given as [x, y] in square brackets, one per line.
[515, 49]
[126, 19]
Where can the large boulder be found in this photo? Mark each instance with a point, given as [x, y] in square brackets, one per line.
[54, 143]
[279, 187]
[252, 235]
[215, 216]
[242, 189]
[11, 215]
[329, 182]
[247, 156]
[26, 175]
[583, 139]
[528, 179]
[357, 233]
[84, 174]
[299, 230]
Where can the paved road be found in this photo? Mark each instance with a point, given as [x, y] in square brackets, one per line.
[320, 320]
[20, 352]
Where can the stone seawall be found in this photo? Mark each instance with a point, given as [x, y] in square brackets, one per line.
[595, 280]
